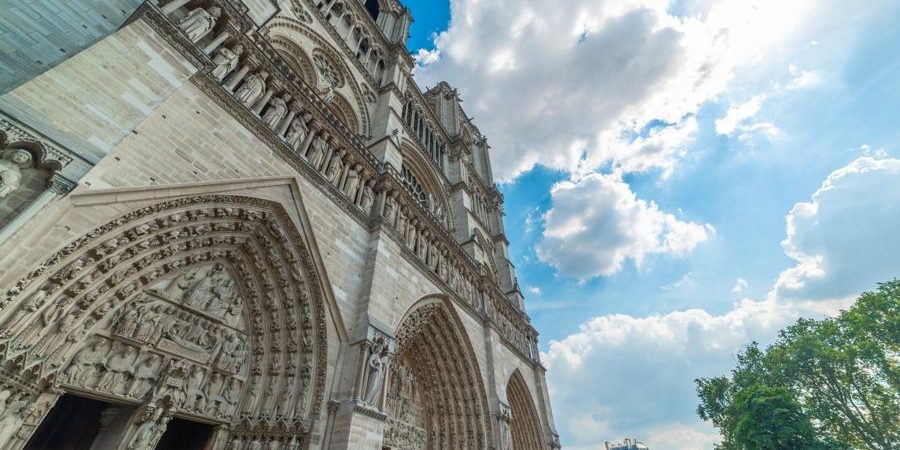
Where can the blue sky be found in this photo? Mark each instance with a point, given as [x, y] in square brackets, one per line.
[680, 178]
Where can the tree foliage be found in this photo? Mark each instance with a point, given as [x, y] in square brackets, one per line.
[831, 383]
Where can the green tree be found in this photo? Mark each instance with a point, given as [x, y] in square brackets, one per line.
[842, 373]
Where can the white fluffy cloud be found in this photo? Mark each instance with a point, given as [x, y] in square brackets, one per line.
[576, 85]
[843, 240]
[597, 223]
[634, 376]
[845, 237]
[737, 114]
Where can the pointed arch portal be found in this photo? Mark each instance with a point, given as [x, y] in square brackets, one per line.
[524, 426]
[435, 397]
[206, 308]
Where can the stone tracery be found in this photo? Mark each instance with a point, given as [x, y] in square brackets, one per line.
[209, 305]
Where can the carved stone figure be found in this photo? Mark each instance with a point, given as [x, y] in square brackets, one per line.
[119, 367]
[199, 22]
[226, 60]
[334, 167]
[252, 88]
[276, 111]
[317, 154]
[375, 367]
[12, 163]
[367, 199]
[12, 419]
[351, 185]
[145, 374]
[296, 133]
[148, 431]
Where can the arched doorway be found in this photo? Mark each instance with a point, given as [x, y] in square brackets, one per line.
[525, 428]
[435, 397]
[205, 309]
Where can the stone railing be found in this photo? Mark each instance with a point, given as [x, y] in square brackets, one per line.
[248, 78]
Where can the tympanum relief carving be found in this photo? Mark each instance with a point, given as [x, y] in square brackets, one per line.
[200, 304]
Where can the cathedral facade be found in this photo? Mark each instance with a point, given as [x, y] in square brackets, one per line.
[240, 224]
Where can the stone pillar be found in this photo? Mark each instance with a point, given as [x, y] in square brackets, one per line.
[146, 426]
[261, 103]
[173, 5]
[216, 42]
[236, 78]
[502, 422]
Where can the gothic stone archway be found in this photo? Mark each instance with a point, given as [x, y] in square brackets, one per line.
[206, 307]
[525, 429]
[435, 397]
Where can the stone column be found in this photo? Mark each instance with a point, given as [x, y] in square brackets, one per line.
[261, 103]
[173, 5]
[236, 78]
[286, 122]
[216, 42]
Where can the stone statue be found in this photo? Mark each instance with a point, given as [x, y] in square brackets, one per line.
[317, 154]
[334, 168]
[199, 22]
[226, 60]
[252, 88]
[11, 165]
[276, 111]
[367, 199]
[12, 419]
[375, 369]
[147, 433]
[296, 133]
[351, 186]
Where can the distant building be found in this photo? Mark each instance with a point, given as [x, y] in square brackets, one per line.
[629, 444]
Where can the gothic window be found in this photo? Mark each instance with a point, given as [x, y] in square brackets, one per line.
[415, 187]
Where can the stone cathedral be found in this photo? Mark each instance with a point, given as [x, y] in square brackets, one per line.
[241, 225]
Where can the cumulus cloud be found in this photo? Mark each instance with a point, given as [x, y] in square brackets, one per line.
[595, 370]
[843, 241]
[844, 238]
[597, 223]
[576, 85]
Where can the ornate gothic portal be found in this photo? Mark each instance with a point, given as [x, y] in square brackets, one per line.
[524, 426]
[204, 308]
[435, 397]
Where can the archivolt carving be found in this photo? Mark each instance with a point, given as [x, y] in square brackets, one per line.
[524, 426]
[211, 303]
[437, 400]
[296, 58]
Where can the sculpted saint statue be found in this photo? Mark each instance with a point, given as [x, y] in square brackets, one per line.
[375, 366]
[334, 168]
[276, 111]
[199, 22]
[145, 437]
[296, 133]
[12, 419]
[252, 88]
[11, 165]
[351, 186]
[226, 60]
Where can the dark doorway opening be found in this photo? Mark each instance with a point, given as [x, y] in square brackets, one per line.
[72, 424]
[184, 434]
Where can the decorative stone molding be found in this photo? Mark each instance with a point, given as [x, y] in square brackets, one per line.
[232, 320]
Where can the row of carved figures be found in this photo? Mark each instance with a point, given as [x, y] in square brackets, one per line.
[294, 126]
[132, 372]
